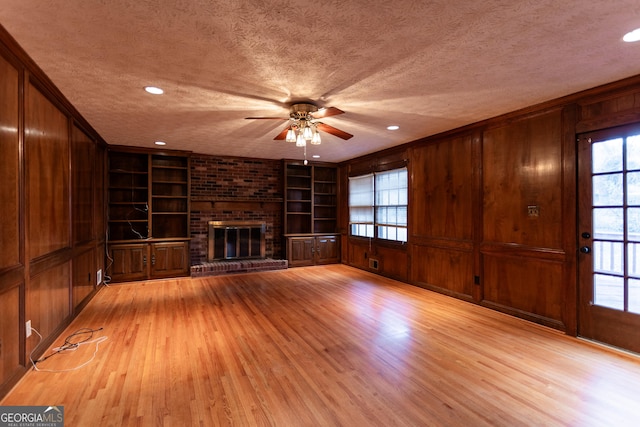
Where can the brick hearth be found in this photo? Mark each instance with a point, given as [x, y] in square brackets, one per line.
[217, 268]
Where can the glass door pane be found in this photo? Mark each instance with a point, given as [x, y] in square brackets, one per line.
[615, 184]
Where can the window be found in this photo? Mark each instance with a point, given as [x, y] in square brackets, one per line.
[391, 205]
[361, 205]
[378, 205]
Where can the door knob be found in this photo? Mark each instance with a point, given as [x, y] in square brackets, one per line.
[585, 249]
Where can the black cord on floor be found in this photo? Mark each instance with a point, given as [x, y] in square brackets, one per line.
[72, 342]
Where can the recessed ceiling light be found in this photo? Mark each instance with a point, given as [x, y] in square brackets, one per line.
[316, 156]
[632, 36]
[160, 143]
[154, 90]
[393, 127]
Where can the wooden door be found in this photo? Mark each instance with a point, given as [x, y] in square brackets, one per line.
[129, 262]
[300, 251]
[327, 249]
[609, 236]
[169, 259]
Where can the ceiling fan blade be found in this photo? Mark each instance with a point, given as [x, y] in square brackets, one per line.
[282, 135]
[266, 118]
[333, 131]
[327, 112]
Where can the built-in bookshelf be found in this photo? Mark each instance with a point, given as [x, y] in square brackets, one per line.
[128, 215]
[298, 198]
[310, 213]
[169, 196]
[324, 199]
[148, 208]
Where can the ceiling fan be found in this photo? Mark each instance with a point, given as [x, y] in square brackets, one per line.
[304, 124]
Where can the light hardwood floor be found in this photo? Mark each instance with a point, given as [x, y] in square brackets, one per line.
[324, 346]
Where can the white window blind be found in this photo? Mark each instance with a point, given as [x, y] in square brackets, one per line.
[361, 209]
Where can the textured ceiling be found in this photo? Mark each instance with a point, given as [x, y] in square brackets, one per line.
[427, 66]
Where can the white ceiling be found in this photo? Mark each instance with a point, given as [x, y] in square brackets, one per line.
[427, 66]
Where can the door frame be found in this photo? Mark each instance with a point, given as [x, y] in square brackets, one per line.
[596, 322]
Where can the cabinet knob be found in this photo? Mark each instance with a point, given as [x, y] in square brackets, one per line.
[585, 249]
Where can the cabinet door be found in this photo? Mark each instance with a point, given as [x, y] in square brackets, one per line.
[301, 251]
[327, 249]
[169, 259]
[130, 262]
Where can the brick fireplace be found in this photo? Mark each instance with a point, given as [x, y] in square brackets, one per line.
[234, 240]
[235, 190]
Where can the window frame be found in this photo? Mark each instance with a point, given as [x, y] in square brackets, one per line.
[380, 229]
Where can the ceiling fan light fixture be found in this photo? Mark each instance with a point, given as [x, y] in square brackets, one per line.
[291, 135]
[316, 140]
[307, 133]
[304, 127]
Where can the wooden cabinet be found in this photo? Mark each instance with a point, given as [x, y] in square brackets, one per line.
[128, 262]
[139, 261]
[148, 214]
[311, 250]
[310, 213]
[169, 259]
[327, 249]
[300, 251]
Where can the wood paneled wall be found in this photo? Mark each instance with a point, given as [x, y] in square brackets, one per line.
[88, 191]
[10, 170]
[48, 218]
[442, 216]
[521, 165]
[47, 187]
[471, 234]
[522, 253]
[12, 267]
[52, 210]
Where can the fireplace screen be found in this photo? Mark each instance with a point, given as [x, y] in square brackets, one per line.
[236, 240]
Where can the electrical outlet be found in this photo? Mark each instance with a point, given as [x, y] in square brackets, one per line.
[28, 328]
[99, 277]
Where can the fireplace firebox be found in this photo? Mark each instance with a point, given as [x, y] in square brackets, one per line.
[233, 240]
